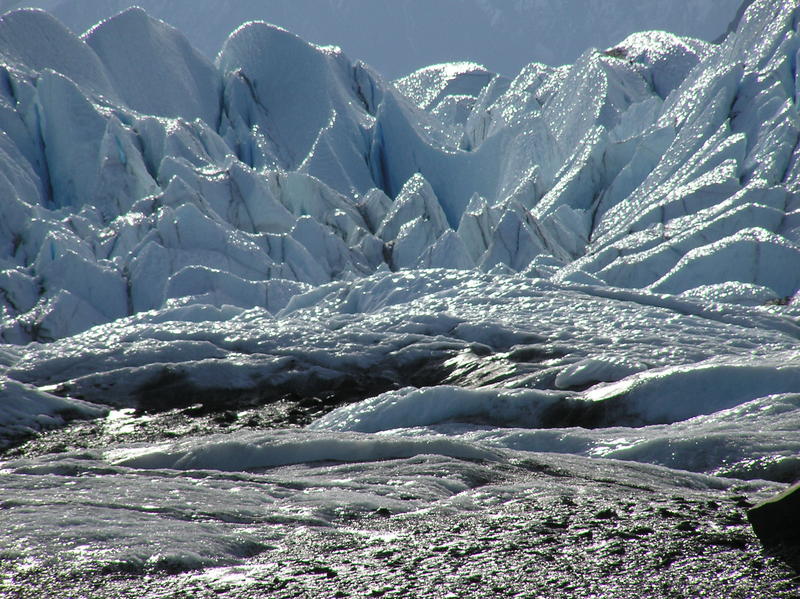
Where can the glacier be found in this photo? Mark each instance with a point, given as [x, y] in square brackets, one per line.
[450, 277]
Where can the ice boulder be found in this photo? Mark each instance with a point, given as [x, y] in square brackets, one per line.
[776, 521]
[26, 410]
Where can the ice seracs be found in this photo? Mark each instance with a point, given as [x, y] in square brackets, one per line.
[142, 54]
[615, 167]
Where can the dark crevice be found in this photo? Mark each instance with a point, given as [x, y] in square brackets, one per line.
[377, 162]
[311, 395]
[50, 199]
[572, 412]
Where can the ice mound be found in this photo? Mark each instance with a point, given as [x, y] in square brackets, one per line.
[26, 410]
[141, 55]
[21, 35]
[424, 407]
[669, 395]
[258, 451]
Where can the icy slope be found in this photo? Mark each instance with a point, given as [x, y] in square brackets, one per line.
[541, 355]
[300, 306]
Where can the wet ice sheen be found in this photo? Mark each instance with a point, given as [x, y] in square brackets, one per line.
[197, 503]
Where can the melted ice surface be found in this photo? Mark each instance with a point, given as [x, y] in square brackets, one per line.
[218, 500]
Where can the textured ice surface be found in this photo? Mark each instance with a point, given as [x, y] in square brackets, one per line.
[218, 500]
[26, 410]
[599, 259]
[539, 355]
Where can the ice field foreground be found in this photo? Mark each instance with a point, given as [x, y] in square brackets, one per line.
[273, 323]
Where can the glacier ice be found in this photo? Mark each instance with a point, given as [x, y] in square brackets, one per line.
[143, 175]
[567, 163]
[141, 54]
[599, 259]
[24, 409]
